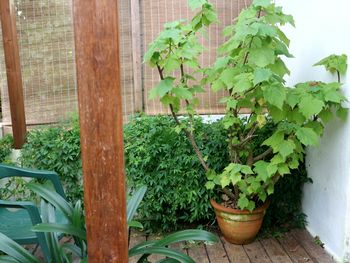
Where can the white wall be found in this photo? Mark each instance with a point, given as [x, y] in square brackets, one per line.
[323, 28]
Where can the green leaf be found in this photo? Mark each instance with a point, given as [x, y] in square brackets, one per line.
[279, 68]
[261, 3]
[224, 181]
[11, 248]
[334, 63]
[135, 224]
[342, 113]
[275, 95]
[261, 74]
[307, 136]
[325, 115]
[283, 169]
[227, 76]
[316, 126]
[286, 148]
[275, 140]
[182, 93]
[180, 236]
[260, 167]
[171, 64]
[243, 202]
[134, 202]
[310, 106]
[277, 114]
[53, 198]
[209, 185]
[261, 57]
[292, 99]
[162, 88]
[217, 85]
[270, 189]
[242, 82]
[68, 229]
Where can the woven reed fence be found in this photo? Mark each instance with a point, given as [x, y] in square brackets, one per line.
[46, 40]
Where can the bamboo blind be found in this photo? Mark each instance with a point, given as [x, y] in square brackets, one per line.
[46, 41]
[154, 14]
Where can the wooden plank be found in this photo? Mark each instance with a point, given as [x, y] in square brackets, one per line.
[13, 71]
[235, 253]
[317, 253]
[256, 253]
[295, 251]
[198, 253]
[101, 122]
[217, 253]
[136, 237]
[136, 54]
[275, 251]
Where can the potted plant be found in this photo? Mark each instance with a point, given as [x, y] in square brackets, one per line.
[251, 71]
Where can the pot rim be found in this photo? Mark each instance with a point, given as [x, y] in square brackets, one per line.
[238, 211]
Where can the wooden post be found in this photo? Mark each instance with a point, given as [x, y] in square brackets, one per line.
[13, 70]
[100, 110]
[136, 54]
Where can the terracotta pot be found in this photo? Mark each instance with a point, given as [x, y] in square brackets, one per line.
[239, 226]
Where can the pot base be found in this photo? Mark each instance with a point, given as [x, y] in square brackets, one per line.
[239, 227]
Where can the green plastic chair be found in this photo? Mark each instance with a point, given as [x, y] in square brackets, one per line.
[17, 223]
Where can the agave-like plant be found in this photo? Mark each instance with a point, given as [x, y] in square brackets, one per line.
[75, 227]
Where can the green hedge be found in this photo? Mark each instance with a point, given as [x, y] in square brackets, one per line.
[5, 148]
[157, 156]
[57, 149]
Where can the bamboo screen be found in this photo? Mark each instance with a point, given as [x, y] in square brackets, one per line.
[155, 13]
[46, 41]
[45, 35]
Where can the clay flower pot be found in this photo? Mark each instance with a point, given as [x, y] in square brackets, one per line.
[239, 226]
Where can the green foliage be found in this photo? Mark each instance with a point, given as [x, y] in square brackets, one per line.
[13, 187]
[251, 71]
[62, 253]
[57, 149]
[162, 159]
[334, 63]
[5, 148]
[177, 46]
[285, 211]
[157, 156]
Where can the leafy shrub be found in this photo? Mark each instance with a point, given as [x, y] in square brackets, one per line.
[163, 160]
[57, 149]
[5, 148]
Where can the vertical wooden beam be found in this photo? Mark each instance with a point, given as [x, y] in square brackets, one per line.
[136, 54]
[100, 110]
[13, 70]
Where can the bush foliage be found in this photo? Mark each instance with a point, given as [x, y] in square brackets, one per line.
[57, 149]
[5, 148]
[163, 160]
[160, 158]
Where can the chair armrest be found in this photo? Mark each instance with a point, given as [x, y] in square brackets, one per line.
[31, 208]
[13, 171]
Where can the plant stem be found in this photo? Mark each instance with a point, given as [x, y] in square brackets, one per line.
[338, 75]
[188, 133]
[263, 155]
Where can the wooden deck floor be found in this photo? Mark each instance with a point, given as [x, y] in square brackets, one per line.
[296, 246]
